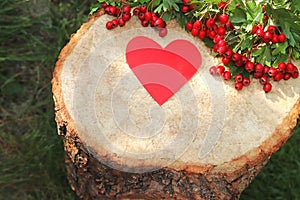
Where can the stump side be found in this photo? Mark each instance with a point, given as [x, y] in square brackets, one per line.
[93, 180]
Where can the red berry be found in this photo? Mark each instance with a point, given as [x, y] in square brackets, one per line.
[136, 11]
[214, 27]
[281, 67]
[259, 68]
[260, 33]
[257, 74]
[290, 67]
[271, 28]
[109, 25]
[249, 66]
[186, 1]
[148, 16]
[217, 39]
[266, 70]
[112, 10]
[189, 26]
[267, 87]
[126, 16]
[215, 17]
[268, 36]
[223, 18]
[254, 29]
[272, 71]
[220, 70]
[215, 48]
[145, 23]
[244, 60]
[163, 32]
[192, 6]
[246, 82]
[222, 49]
[107, 9]
[141, 16]
[286, 76]
[226, 75]
[159, 23]
[197, 24]
[221, 30]
[126, 9]
[278, 76]
[275, 38]
[114, 23]
[236, 57]
[238, 63]
[238, 78]
[104, 5]
[266, 17]
[263, 80]
[281, 37]
[212, 34]
[154, 18]
[295, 74]
[213, 70]
[202, 34]
[210, 22]
[238, 86]
[228, 53]
[185, 8]
[222, 5]
[143, 9]
[221, 42]
[195, 31]
[121, 22]
[225, 60]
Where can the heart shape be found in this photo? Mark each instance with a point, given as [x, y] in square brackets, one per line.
[162, 71]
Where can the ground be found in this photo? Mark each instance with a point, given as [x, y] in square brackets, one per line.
[31, 154]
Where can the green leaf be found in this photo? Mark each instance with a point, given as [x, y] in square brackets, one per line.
[295, 54]
[296, 7]
[279, 48]
[238, 16]
[280, 58]
[252, 10]
[259, 51]
[167, 16]
[94, 8]
[159, 8]
[236, 70]
[263, 55]
[246, 44]
[232, 5]
[156, 3]
[214, 54]
[208, 42]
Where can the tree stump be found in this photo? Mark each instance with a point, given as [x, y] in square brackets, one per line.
[208, 141]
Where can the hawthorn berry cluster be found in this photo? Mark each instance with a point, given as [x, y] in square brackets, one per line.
[270, 36]
[284, 71]
[217, 28]
[245, 53]
[124, 14]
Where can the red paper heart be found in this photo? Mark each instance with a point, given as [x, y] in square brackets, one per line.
[162, 71]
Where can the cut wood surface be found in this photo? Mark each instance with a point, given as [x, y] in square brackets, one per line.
[208, 141]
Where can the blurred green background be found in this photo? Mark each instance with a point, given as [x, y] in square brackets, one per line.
[32, 33]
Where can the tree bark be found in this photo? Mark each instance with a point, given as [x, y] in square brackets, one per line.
[219, 161]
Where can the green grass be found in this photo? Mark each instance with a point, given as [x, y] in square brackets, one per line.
[31, 154]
